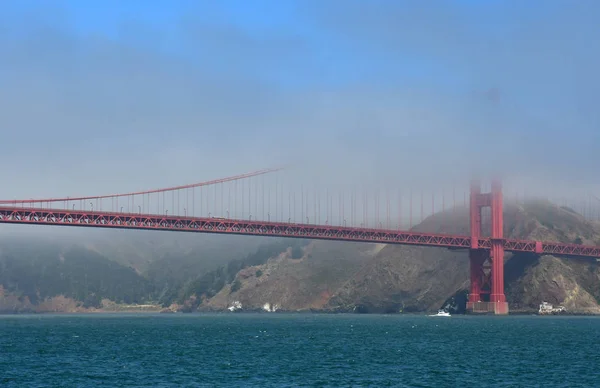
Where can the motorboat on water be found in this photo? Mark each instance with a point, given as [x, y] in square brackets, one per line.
[441, 313]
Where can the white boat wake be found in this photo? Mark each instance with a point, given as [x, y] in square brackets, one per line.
[441, 313]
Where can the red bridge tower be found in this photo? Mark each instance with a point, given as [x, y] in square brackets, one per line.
[487, 265]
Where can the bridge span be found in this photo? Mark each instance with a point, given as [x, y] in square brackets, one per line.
[486, 253]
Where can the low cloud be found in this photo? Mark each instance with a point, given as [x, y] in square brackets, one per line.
[421, 95]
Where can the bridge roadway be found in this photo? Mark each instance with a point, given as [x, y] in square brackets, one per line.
[103, 219]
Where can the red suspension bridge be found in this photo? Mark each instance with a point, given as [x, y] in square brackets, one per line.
[250, 204]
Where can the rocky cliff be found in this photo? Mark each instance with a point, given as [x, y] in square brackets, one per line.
[150, 271]
[304, 282]
[573, 283]
[390, 278]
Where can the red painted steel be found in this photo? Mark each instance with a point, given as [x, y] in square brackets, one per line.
[476, 260]
[100, 219]
[476, 255]
[220, 225]
[183, 187]
[486, 254]
[497, 297]
[491, 250]
[549, 248]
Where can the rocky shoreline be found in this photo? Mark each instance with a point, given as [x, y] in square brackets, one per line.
[161, 310]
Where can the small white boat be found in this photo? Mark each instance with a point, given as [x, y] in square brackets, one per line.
[441, 313]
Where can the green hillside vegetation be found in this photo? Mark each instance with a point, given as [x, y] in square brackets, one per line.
[40, 270]
[177, 267]
[191, 272]
[96, 268]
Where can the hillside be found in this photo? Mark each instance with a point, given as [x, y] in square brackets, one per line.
[87, 270]
[303, 281]
[167, 255]
[44, 276]
[573, 283]
[70, 269]
[199, 289]
[404, 278]
[419, 279]
[390, 278]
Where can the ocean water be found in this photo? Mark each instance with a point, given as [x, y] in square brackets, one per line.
[283, 350]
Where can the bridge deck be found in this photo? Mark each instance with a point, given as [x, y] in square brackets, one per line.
[101, 219]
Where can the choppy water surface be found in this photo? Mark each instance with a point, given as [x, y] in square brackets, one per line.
[298, 350]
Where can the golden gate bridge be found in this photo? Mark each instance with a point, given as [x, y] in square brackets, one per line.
[248, 205]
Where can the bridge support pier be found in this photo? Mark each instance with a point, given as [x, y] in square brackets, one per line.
[487, 279]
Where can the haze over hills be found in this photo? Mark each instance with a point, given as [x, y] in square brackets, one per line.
[418, 279]
[86, 270]
[125, 101]
[139, 249]
[41, 262]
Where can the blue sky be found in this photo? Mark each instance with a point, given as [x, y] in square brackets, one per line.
[178, 91]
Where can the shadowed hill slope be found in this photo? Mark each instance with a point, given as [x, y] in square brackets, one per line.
[340, 276]
[64, 269]
[303, 281]
[209, 272]
[574, 282]
[417, 279]
[33, 275]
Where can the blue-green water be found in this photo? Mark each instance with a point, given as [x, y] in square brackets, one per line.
[298, 350]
